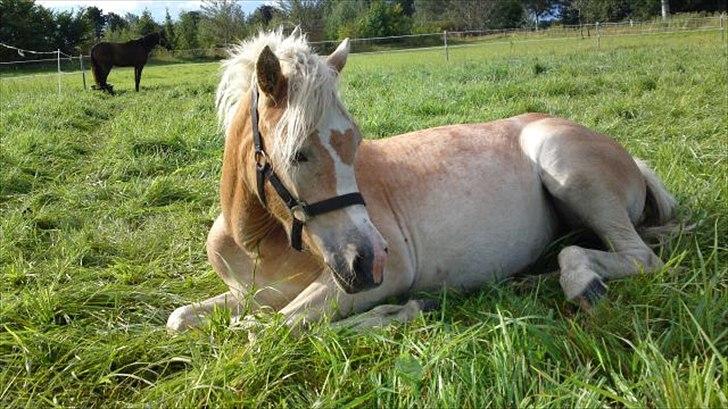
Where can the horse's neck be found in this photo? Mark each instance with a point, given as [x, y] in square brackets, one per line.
[148, 43]
[249, 221]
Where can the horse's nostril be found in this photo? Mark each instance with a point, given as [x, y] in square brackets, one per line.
[386, 250]
[357, 264]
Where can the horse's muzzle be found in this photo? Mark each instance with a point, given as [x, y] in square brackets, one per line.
[362, 270]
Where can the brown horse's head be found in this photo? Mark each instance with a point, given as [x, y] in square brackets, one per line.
[311, 141]
[151, 40]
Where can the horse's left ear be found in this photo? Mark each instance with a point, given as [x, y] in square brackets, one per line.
[270, 76]
[337, 59]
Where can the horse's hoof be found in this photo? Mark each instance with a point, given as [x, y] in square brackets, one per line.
[591, 295]
[427, 305]
[182, 319]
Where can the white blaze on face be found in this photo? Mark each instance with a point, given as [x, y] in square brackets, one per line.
[335, 121]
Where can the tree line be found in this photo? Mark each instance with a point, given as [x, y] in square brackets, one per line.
[28, 25]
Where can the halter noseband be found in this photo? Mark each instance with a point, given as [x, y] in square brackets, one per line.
[301, 212]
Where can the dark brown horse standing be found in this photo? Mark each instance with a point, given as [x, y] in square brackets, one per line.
[132, 53]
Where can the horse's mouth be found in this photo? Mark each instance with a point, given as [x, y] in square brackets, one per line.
[351, 283]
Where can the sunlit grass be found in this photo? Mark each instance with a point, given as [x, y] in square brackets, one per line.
[106, 202]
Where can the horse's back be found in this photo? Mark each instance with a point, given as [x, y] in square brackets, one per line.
[100, 50]
[128, 54]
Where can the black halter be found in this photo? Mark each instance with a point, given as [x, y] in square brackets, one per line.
[301, 212]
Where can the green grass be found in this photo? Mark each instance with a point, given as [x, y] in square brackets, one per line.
[106, 203]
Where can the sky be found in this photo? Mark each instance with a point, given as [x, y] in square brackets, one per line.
[157, 8]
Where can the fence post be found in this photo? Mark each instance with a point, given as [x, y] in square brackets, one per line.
[444, 37]
[58, 53]
[599, 36]
[83, 72]
[722, 26]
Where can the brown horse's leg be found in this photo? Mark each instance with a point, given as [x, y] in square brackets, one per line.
[137, 76]
[103, 75]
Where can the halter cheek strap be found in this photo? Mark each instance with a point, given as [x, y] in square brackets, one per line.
[301, 212]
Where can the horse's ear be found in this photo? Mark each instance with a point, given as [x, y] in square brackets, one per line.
[337, 59]
[270, 76]
[296, 32]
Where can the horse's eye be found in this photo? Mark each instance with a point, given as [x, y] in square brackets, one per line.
[300, 157]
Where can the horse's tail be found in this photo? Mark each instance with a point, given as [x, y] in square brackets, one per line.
[95, 68]
[660, 206]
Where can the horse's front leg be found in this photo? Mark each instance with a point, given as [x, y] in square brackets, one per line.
[265, 282]
[324, 298]
[194, 315]
[137, 77]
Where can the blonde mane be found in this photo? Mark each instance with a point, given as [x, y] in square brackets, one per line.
[312, 88]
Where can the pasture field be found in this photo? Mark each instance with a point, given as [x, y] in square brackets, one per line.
[106, 203]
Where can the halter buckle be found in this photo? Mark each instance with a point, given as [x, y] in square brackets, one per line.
[298, 211]
[261, 159]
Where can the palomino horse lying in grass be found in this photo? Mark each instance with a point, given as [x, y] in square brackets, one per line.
[455, 206]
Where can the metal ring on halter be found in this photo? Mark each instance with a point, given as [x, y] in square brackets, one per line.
[298, 211]
[261, 159]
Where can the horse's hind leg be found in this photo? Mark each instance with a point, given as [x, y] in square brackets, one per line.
[103, 75]
[596, 184]
[583, 271]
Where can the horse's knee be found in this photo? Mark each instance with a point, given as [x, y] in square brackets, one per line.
[223, 253]
[218, 241]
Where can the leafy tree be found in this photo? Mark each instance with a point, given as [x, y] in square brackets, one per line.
[644, 9]
[115, 22]
[467, 15]
[223, 22]
[308, 14]
[25, 25]
[146, 24]
[591, 11]
[384, 19]
[187, 30]
[169, 31]
[408, 7]
[506, 14]
[343, 18]
[683, 6]
[131, 20]
[71, 32]
[96, 21]
[432, 16]
[540, 8]
[263, 15]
